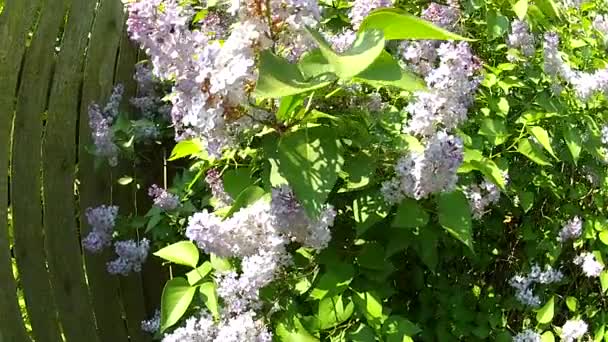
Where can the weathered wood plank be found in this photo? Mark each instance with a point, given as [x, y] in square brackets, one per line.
[26, 184]
[13, 29]
[59, 168]
[95, 185]
[131, 287]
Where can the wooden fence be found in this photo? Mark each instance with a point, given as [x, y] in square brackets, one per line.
[56, 57]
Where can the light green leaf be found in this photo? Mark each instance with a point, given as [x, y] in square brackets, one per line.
[548, 8]
[521, 8]
[333, 281]
[573, 140]
[176, 298]
[604, 280]
[364, 51]
[498, 24]
[545, 314]
[410, 215]
[495, 130]
[199, 273]
[209, 294]
[126, 180]
[333, 311]
[182, 253]
[219, 264]
[247, 197]
[385, 71]
[279, 78]
[533, 152]
[371, 307]
[398, 24]
[396, 328]
[572, 303]
[310, 159]
[290, 329]
[543, 138]
[188, 148]
[547, 336]
[603, 235]
[455, 216]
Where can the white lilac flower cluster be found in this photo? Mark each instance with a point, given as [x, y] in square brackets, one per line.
[419, 174]
[521, 39]
[152, 325]
[573, 329]
[481, 196]
[589, 264]
[585, 84]
[259, 235]
[524, 284]
[245, 327]
[571, 230]
[100, 122]
[101, 220]
[600, 23]
[527, 335]
[163, 199]
[214, 180]
[604, 135]
[131, 256]
[212, 80]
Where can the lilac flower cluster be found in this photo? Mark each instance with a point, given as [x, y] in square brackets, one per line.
[101, 220]
[131, 256]
[152, 325]
[100, 122]
[521, 39]
[481, 196]
[362, 8]
[573, 329]
[148, 100]
[585, 84]
[604, 136]
[589, 264]
[420, 174]
[524, 284]
[527, 335]
[214, 180]
[163, 199]
[571, 230]
[245, 327]
[600, 23]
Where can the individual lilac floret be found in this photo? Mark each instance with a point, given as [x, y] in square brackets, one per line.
[216, 184]
[163, 199]
[521, 38]
[419, 174]
[573, 329]
[152, 325]
[100, 122]
[481, 196]
[362, 8]
[571, 230]
[590, 266]
[101, 220]
[527, 335]
[524, 284]
[131, 256]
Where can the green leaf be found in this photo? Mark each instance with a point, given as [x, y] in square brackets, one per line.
[572, 303]
[498, 24]
[279, 78]
[398, 24]
[237, 180]
[247, 197]
[363, 333]
[603, 235]
[371, 307]
[543, 138]
[313, 63]
[364, 51]
[545, 314]
[573, 139]
[371, 256]
[494, 130]
[385, 71]
[533, 152]
[290, 329]
[396, 328]
[219, 264]
[199, 273]
[182, 253]
[369, 208]
[209, 294]
[455, 216]
[548, 8]
[410, 215]
[604, 280]
[547, 336]
[526, 199]
[187, 148]
[358, 169]
[333, 281]
[176, 298]
[287, 107]
[521, 8]
[126, 180]
[310, 159]
[333, 311]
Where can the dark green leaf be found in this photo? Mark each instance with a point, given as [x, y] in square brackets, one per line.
[247, 197]
[396, 328]
[410, 215]
[455, 216]
[333, 281]
[533, 152]
[385, 71]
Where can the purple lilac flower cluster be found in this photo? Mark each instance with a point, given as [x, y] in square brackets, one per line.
[481, 196]
[361, 8]
[527, 335]
[101, 220]
[131, 256]
[521, 39]
[571, 230]
[524, 284]
[163, 199]
[152, 325]
[214, 180]
[100, 122]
